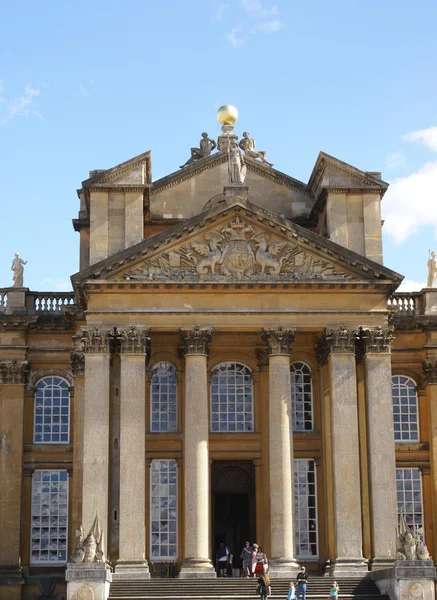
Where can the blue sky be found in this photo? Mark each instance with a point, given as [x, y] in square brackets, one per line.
[89, 84]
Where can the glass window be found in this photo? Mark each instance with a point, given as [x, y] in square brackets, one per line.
[52, 411]
[49, 515]
[301, 397]
[163, 398]
[305, 508]
[231, 398]
[163, 510]
[409, 496]
[405, 409]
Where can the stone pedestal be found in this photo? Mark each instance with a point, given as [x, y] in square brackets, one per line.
[88, 581]
[381, 449]
[230, 191]
[282, 561]
[132, 563]
[429, 301]
[196, 563]
[407, 580]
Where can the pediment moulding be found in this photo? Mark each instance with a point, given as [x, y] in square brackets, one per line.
[125, 340]
[14, 372]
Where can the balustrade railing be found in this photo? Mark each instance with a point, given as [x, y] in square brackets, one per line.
[405, 304]
[3, 299]
[51, 302]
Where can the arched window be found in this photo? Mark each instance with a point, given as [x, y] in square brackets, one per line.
[301, 397]
[163, 398]
[231, 398]
[52, 411]
[405, 409]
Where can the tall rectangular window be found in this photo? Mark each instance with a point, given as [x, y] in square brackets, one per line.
[409, 496]
[49, 516]
[305, 508]
[163, 510]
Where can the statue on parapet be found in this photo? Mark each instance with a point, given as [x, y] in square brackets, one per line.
[206, 146]
[411, 545]
[248, 144]
[18, 269]
[236, 166]
[432, 269]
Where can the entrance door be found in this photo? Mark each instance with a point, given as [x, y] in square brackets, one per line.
[233, 504]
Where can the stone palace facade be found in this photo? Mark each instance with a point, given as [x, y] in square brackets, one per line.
[234, 363]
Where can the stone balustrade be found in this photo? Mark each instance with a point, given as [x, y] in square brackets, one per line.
[51, 301]
[35, 302]
[405, 303]
[3, 299]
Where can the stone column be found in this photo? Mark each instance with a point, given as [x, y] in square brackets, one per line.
[96, 347]
[134, 345]
[337, 348]
[196, 561]
[77, 359]
[430, 376]
[13, 376]
[282, 560]
[380, 445]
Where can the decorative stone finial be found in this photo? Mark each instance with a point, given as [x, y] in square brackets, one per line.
[432, 270]
[89, 549]
[18, 269]
[227, 115]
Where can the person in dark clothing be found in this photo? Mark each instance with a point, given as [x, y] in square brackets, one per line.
[264, 590]
[222, 560]
[301, 580]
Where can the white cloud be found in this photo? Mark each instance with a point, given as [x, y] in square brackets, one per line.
[233, 38]
[255, 8]
[409, 203]
[425, 136]
[395, 160]
[221, 8]
[408, 285]
[267, 27]
[56, 285]
[19, 106]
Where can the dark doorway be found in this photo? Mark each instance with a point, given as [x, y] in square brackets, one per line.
[233, 504]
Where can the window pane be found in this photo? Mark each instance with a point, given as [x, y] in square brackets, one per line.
[49, 538]
[163, 496]
[305, 508]
[407, 480]
[232, 407]
[405, 409]
[301, 397]
[163, 397]
[47, 411]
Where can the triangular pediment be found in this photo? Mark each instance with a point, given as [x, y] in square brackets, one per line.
[135, 171]
[236, 242]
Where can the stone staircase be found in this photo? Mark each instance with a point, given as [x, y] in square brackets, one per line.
[239, 589]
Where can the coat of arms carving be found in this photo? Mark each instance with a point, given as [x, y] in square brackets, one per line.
[236, 251]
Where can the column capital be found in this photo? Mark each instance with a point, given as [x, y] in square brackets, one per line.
[134, 339]
[429, 369]
[77, 360]
[336, 341]
[96, 340]
[376, 340]
[14, 372]
[278, 340]
[196, 340]
[262, 358]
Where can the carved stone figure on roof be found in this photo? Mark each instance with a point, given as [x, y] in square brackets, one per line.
[248, 144]
[236, 166]
[206, 146]
[18, 269]
[432, 270]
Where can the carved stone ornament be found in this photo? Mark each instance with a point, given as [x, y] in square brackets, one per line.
[89, 549]
[86, 592]
[262, 358]
[238, 251]
[377, 340]
[410, 543]
[14, 372]
[336, 341]
[278, 340]
[430, 371]
[77, 360]
[196, 340]
[96, 340]
[134, 340]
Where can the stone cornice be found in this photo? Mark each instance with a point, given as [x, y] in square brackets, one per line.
[430, 371]
[121, 187]
[278, 340]
[134, 340]
[376, 340]
[196, 341]
[14, 372]
[336, 341]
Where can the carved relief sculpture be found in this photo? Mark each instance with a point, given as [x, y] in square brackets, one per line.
[248, 144]
[236, 166]
[411, 544]
[13, 372]
[206, 146]
[432, 270]
[18, 269]
[237, 251]
[89, 549]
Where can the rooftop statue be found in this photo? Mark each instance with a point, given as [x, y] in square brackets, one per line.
[432, 269]
[18, 269]
[236, 166]
[206, 146]
[248, 145]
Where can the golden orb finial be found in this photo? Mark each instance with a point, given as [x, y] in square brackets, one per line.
[227, 114]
